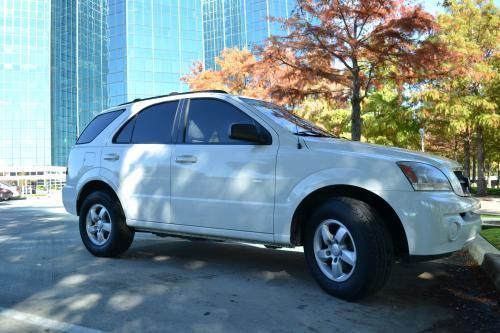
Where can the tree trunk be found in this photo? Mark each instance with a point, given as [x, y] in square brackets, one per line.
[481, 182]
[488, 177]
[498, 174]
[474, 168]
[455, 148]
[467, 154]
[356, 108]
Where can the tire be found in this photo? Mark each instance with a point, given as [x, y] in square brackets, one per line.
[360, 263]
[115, 237]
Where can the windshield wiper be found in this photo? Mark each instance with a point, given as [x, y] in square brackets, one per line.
[310, 133]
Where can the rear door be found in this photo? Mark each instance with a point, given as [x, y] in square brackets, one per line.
[219, 182]
[138, 159]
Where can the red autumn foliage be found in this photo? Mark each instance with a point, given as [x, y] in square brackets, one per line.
[341, 48]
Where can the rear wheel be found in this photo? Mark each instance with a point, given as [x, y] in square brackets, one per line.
[348, 248]
[102, 226]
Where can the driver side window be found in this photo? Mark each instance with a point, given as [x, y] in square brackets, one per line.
[209, 122]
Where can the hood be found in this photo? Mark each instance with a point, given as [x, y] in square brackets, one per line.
[379, 151]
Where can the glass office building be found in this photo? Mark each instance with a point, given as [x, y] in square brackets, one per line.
[240, 23]
[24, 82]
[152, 44]
[79, 68]
[106, 52]
[64, 61]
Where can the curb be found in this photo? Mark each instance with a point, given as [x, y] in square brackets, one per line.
[488, 257]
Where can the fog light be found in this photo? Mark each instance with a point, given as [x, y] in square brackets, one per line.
[453, 230]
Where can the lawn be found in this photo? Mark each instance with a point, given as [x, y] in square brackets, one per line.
[490, 217]
[492, 235]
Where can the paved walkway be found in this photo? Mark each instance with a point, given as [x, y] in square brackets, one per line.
[490, 205]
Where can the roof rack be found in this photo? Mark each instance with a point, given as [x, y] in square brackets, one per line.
[176, 94]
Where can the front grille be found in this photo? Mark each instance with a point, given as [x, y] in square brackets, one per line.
[464, 181]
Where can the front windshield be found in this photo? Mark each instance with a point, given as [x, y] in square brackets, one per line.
[287, 119]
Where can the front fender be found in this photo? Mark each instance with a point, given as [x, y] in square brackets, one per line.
[287, 203]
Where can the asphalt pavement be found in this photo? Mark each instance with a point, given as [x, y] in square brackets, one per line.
[50, 283]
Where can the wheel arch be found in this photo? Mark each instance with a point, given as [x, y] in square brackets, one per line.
[391, 219]
[93, 186]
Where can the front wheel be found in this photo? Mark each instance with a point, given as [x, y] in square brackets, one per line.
[348, 248]
[102, 226]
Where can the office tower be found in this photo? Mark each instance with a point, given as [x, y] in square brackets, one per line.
[24, 83]
[240, 23]
[152, 44]
[79, 67]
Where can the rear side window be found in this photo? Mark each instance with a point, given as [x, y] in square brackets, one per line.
[151, 125]
[97, 125]
[125, 133]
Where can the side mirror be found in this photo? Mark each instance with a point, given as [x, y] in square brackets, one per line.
[247, 132]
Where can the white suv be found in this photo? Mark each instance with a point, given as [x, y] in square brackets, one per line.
[214, 165]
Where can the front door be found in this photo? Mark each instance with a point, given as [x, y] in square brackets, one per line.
[219, 182]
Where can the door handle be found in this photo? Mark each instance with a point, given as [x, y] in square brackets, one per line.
[111, 157]
[186, 159]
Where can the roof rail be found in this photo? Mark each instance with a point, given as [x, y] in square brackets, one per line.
[175, 94]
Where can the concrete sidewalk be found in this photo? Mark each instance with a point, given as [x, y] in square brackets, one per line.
[488, 257]
[485, 254]
[490, 205]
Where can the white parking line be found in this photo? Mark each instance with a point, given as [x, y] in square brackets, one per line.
[45, 322]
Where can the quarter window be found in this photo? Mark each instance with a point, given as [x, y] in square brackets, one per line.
[209, 122]
[97, 125]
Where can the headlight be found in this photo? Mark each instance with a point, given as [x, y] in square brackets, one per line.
[425, 177]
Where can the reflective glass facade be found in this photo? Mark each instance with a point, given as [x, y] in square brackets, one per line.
[79, 68]
[153, 43]
[24, 82]
[240, 23]
[106, 52]
[117, 52]
[64, 61]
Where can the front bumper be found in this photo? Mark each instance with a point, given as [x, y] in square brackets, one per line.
[436, 222]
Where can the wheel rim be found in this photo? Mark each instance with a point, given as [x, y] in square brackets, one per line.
[334, 250]
[98, 224]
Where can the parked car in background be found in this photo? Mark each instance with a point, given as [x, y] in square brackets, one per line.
[13, 189]
[218, 166]
[5, 194]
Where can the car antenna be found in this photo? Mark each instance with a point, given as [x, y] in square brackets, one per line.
[299, 145]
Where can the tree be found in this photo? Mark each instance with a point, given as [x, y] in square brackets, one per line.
[238, 72]
[390, 120]
[332, 116]
[349, 45]
[234, 73]
[469, 97]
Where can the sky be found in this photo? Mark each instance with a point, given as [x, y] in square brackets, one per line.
[433, 7]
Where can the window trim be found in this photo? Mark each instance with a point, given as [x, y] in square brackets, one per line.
[134, 117]
[182, 132]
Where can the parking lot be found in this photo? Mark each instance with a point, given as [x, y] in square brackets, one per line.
[51, 283]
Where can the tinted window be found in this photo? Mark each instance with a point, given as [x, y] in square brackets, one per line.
[125, 133]
[209, 122]
[151, 125]
[97, 125]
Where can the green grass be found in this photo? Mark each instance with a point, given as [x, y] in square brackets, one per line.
[492, 235]
[490, 216]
